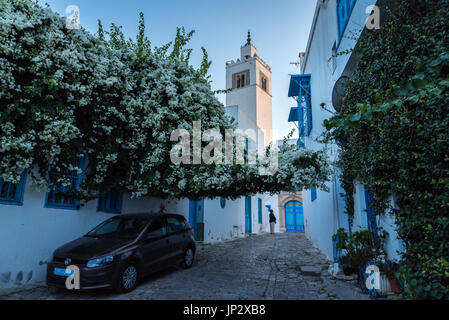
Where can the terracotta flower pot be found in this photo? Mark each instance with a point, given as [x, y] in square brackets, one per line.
[394, 286]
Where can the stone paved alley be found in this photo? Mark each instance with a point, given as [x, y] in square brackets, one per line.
[284, 266]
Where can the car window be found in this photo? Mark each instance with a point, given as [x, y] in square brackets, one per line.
[108, 227]
[156, 229]
[174, 224]
[120, 228]
[132, 227]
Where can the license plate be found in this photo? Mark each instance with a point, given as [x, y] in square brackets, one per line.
[63, 272]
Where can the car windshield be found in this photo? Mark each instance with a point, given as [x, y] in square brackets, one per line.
[119, 227]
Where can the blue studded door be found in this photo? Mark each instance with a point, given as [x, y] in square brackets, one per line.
[294, 217]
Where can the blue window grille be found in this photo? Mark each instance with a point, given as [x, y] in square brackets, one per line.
[11, 193]
[111, 202]
[313, 193]
[301, 91]
[260, 210]
[344, 10]
[64, 197]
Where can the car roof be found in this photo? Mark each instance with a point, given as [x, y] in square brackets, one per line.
[149, 215]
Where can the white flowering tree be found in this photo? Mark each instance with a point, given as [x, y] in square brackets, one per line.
[65, 93]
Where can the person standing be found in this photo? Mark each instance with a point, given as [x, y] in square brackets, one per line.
[272, 221]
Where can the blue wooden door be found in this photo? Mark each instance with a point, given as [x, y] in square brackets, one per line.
[248, 215]
[193, 212]
[294, 216]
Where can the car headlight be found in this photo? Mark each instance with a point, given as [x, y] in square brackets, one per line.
[100, 262]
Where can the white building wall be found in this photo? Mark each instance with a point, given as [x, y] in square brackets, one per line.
[393, 245]
[326, 214]
[256, 226]
[221, 224]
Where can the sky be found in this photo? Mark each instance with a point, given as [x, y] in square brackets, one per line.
[279, 28]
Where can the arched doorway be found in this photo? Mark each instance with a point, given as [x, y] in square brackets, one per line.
[294, 216]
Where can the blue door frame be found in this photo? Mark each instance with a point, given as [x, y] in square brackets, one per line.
[196, 212]
[193, 212]
[248, 215]
[370, 215]
[294, 216]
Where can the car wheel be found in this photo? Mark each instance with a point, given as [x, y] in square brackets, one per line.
[189, 256]
[127, 279]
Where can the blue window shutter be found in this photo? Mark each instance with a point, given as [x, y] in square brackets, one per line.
[260, 210]
[11, 193]
[294, 114]
[344, 10]
[222, 203]
[300, 89]
[58, 198]
[314, 194]
[111, 202]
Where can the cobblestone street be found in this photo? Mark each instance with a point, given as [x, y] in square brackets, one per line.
[283, 266]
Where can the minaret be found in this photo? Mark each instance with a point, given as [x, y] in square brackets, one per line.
[250, 80]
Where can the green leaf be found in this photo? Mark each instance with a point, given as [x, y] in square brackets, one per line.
[420, 83]
[413, 99]
[356, 117]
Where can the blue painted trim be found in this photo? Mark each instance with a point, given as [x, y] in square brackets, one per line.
[313, 194]
[106, 208]
[193, 212]
[248, 215]
[259, 208]
[337, 249]
[300, 89]
[294, 115]
[298, 82]
[294, 217]
[17, 200]
[341, 25]
[76, 202]
[222, 203]
[370, 215]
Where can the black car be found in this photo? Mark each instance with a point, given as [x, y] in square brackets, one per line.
[123, 249]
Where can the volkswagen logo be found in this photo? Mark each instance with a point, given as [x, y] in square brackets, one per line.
[67, 261]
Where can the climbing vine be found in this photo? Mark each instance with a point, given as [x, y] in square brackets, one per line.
[393, 132]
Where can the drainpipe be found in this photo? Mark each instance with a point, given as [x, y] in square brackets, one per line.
[336, 221]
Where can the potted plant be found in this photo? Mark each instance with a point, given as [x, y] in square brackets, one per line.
[347, 269]
[339, 241]
[391, 268]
